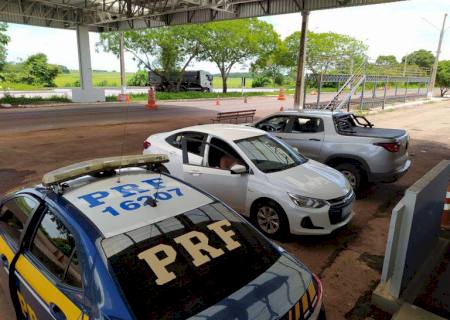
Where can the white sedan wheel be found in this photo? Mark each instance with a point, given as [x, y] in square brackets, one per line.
[268, 220]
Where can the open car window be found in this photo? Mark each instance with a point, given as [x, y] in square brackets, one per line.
[178, 267]
[222, 156]
[307, 125]
[275, 124]
[269, 154]
[194, 141]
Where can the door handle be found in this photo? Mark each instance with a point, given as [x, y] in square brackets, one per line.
[5, 261]
[314, 139]
[57, 312]
[195, 173]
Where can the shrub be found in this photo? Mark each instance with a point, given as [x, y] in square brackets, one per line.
[260, 82]
[139, 79]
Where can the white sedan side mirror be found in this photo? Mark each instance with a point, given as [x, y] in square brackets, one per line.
[238, 169]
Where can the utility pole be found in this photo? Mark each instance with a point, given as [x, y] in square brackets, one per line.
[436, 61]
[300, 83]
[122, 65]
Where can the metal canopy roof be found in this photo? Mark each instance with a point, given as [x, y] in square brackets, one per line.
[107, 15]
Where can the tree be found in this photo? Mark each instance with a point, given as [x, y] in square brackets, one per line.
[165, 51]
[272, 64]
[4, 40]
[230, 42]
[327, 51]
[36, 70]
[443, 76]
[422, 58]
[389, 60]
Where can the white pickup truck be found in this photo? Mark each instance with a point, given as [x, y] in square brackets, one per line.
[344, 141]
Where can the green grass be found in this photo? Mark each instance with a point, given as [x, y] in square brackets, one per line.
[100, 79]
[232, 82]
[189, 95]
[33, 100]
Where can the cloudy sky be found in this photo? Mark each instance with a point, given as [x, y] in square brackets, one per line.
[394, 28]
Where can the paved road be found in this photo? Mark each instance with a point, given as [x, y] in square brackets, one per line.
[42, 118]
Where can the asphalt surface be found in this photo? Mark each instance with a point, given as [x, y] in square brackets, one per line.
[75, 115]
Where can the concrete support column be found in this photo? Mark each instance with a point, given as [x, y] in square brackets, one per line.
[123, 83]
[86, 92]
[300, 83]
[84, 57]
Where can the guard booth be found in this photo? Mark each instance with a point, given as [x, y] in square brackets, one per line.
[415, 245]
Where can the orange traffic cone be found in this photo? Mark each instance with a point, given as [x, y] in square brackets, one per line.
[281, 94]
[218, 101]
[446, 214]
[123, 97]
[151, 104]
[281, 108]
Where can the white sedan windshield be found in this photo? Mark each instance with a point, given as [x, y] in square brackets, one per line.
[269, 154]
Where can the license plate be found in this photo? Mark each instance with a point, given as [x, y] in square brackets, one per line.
[346, 211]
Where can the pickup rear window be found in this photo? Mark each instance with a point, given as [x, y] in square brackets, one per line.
[348, 123]
[180, 266]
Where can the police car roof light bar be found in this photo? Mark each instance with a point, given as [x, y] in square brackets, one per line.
[89, 167]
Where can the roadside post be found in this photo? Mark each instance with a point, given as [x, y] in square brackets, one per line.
[385, 91]
[243, 88]
[406, 89]
[446, 215]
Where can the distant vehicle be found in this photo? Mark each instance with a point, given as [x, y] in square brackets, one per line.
[192, 81]
[259, 176]
[114, 238]
[344, 141]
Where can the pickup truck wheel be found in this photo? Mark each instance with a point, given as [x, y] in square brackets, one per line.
[270, 218]
[352, 173]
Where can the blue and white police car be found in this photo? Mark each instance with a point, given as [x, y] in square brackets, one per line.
[114, 238]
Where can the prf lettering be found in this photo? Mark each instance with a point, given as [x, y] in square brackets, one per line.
[195, 243]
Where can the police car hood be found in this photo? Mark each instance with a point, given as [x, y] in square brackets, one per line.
[270, 296]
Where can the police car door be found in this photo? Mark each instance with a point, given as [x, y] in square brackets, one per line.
[14, 216]
[214, 175]
[48, 271]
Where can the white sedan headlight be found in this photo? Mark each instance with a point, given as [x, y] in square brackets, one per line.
[307, 202]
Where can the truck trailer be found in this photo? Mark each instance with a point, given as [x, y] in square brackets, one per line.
[196, 80]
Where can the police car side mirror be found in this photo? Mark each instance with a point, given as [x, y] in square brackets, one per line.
[238, 169]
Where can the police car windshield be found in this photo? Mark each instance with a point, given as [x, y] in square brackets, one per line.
[184, 264]
[269, 154]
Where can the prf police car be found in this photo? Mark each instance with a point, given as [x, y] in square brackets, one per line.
[115, 239]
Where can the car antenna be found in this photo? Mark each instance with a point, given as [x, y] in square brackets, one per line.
[124, 138]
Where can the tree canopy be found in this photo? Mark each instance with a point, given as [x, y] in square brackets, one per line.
[387, 60]
[443, 76]
[327, 51]
[230, 42]
[422, 58]
[165, 51]
[4, 40]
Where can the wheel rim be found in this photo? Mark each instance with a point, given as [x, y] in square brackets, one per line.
[268, 220]
[350, 177]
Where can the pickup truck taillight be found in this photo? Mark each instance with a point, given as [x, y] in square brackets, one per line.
[146, 144]
[389, 146]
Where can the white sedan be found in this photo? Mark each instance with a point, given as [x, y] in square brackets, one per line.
[259, 176]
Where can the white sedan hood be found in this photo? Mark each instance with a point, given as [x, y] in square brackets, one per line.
[312, 179]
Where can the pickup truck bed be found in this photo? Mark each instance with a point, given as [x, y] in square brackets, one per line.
[377, 132]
